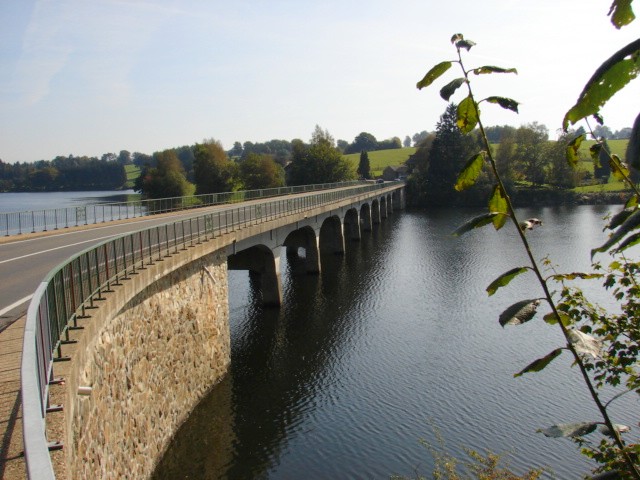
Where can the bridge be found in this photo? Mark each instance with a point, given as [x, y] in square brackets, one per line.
[125, 337]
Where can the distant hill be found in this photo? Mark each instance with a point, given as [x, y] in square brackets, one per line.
[380, 159]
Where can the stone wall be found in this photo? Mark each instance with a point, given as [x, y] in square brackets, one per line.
[146, 367]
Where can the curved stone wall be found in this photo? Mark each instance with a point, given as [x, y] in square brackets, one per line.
[145, 367]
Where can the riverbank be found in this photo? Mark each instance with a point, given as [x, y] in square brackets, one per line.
[521, 197]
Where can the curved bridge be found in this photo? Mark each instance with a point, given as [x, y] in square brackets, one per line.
[142, 322]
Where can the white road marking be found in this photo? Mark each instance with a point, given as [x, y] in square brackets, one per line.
[56, 248]
[15, 304]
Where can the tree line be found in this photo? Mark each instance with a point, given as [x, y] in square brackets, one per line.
[63, 173]
[524, 156]
[207, 168]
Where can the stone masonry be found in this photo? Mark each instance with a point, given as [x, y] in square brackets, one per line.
[147, 368]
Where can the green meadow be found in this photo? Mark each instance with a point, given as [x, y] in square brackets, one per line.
[381, 159]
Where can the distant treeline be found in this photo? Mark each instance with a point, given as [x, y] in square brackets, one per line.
[62, 173]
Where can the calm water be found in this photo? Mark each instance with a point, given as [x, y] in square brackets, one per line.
[22, 201]
[394, 338]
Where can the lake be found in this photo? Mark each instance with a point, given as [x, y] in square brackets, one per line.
[392, 341]
[24, 201]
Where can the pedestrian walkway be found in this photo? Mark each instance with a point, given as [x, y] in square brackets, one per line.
[12, 465]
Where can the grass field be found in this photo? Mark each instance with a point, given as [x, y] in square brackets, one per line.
[381, 159]
[133, 172]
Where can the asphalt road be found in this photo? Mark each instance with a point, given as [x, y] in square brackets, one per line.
[26, 259]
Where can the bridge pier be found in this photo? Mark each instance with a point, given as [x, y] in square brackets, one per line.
[263, 264]
[332, 236]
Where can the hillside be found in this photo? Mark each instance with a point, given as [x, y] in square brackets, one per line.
[381, 159]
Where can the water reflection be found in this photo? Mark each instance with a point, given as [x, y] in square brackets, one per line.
[394, 336]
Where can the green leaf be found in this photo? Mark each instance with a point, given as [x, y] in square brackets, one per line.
[540, 363]
[470, 172]
[621, 13]
[572, 276]
[585, 344]
[552, 319]
[506, 103]
[569, 429]
[466, 44]
[504, 279]
[629, 242]
[627, 226]
[491, 69]
[519, 313]
[622, 67]
[572, 150]
[619, 218]
[619, 170]
[433, 74]
[632, 202]
[450, 88]
[498, 203]
[457, 37]
[475, 222]
[468, 113]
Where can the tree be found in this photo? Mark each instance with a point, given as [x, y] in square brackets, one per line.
[260, 171]
[602, 131]
[343, 145]
[561, 173]
[448, 154]
[364, 168]
[505, 156]
[319, 162]
[124, 157]
[623, 134]
[407, 141]
[363, 142]
[167, 179]
[602, 169]
[418, 137]
[213, 171]
[530, 153]
[237, 150]
[320, 135]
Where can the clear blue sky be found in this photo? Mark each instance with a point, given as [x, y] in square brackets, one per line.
[90, 77]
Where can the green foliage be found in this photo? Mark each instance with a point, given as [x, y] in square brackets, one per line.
[622, 67]
[166, 180]
[319, 162]
[478, 466]
[260, 171]
[364, 167]
[213, 171]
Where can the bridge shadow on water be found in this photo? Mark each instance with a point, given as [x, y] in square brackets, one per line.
[281, 360]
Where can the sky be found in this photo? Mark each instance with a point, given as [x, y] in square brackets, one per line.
[88, 77]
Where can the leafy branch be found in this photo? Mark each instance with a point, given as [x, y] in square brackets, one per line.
[578, 343]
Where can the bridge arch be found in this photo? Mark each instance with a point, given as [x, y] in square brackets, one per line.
[263, 265]
[332, 235]
[375, 211]
[307, 239]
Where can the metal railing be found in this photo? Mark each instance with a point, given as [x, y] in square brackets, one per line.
[32, 221]
[72, 288]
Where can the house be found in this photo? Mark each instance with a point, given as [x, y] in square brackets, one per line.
[393, 172]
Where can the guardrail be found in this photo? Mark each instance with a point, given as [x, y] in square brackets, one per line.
[73, 287]
[32, 221]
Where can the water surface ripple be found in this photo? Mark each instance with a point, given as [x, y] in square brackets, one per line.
[394, 338]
